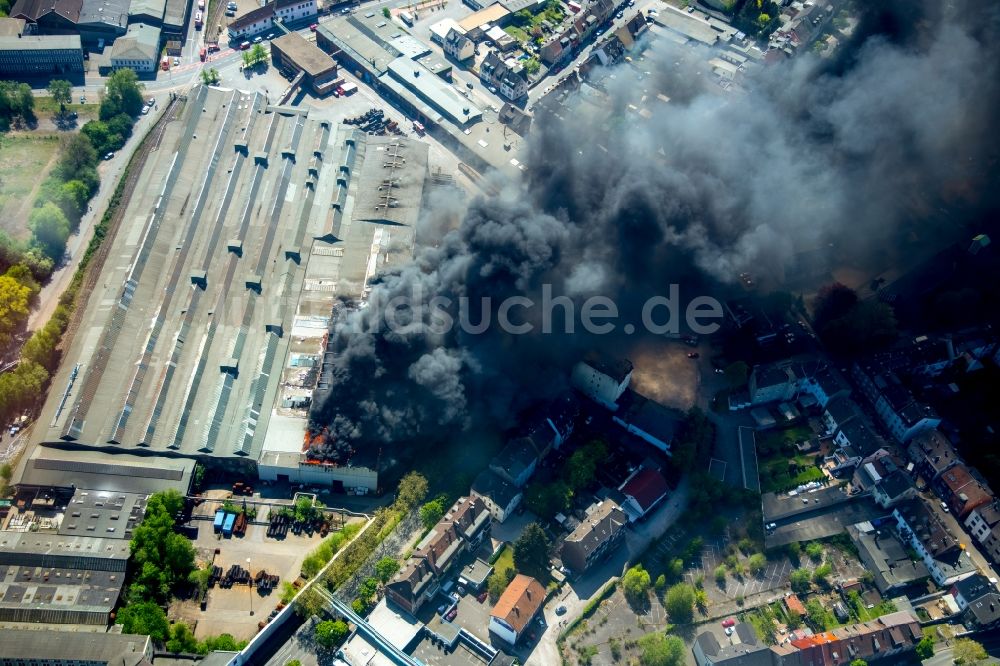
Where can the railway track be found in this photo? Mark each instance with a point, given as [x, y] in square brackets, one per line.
[151, 142]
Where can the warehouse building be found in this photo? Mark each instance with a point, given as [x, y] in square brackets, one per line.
[105, 20]
[37, 55]
[31, 647]
[205, 342]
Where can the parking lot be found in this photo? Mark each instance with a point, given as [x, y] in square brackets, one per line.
[228, 610]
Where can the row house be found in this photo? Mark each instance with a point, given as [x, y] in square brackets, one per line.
[983, 524]
[462, 529]
[575, 30]
[932, 454]
[961, 491]
[598, 535]
[901, 413]
[939, 550]
[510, 79]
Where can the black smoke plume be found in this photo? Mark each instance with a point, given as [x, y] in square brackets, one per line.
[856, 155]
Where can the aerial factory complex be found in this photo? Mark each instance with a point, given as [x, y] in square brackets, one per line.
[483, 333]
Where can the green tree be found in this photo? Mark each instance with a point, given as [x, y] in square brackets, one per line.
[859, 662]
[822, 573]
[331, 633]
[695, 440]
[635, 585]
[581, 467]
[675, 569]
[97, 133]
[814, 551]
[293, 662]
[50, 229]
[531, 551]
[968, 651]
[386, 568]
[62, 93]
[144, 618]
[15, 299]
[182, 639]
[258, 54]
[122, 94]
[661, 583]
[658, 649]
[756, 563]
[547, 499]
[386, 13]
[431, 513]
[162, 557]
[819, 616]
[720, 574]
[679, 603]
[737, 374]
[800, 580]
[925, 648]
[412, 490]
[498, 582]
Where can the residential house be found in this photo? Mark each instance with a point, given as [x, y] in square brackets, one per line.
[261, 19]
[978, 600]
[461, 529]
[961, 491]
[838, 412]
[517, 461]
[648, 420]
[745, 650]
[510, 80]
[932, 454]
[595, 537]
[879, 475]
[823, 383]
[575, 30]
[883, 554]
[888, 636]
[412, 586]
[794, 605]
[893, 489]
[857, 434]
[602, 380]
[772, 383]
[902, 414]
[458, 46]
[983, 524]
[440, 547]
[471, 518]
[643, 491]
[843, 461]
[940, 551]
[499, 495]
[561, 415]
[516, 608]
[139, 49]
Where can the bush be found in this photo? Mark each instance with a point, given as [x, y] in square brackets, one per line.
[800, 580]
[720, 574]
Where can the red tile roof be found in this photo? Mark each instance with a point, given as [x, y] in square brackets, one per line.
[519, 602]
[647, 487]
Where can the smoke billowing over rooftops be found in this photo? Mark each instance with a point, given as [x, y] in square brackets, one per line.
[853, 155]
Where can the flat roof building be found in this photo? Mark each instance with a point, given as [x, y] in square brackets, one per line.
[67, 648]
[296, 54]
[103, 19]
[37, 55]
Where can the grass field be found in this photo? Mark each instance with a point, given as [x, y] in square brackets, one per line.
[46, 106]
[24, 163]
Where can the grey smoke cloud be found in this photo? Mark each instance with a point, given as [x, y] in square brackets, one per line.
[709, 186]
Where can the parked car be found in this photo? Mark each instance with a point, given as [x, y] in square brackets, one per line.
[560, 610]
[313, 27]
[109, 156]
[177, 62]
[257, 39]
[693, 355]
[729, 622]
[244, 46]
[452, 614]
